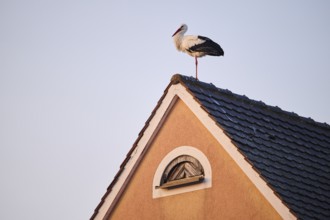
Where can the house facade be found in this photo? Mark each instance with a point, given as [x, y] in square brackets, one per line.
[206, 153]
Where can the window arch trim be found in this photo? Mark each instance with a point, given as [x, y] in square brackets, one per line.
[205, 180]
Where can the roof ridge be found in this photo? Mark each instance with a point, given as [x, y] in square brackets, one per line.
[188, 79]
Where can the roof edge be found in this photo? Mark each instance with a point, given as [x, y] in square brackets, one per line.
[186, 80]
[133, 148]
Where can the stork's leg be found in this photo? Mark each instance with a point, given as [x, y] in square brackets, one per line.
[196, 62]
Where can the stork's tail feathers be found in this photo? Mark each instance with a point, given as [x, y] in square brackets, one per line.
[209, 47]
[216, 50]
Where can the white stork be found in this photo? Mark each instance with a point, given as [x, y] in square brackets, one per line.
[195, 46]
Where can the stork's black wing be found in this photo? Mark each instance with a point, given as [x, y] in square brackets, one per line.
[209, 47]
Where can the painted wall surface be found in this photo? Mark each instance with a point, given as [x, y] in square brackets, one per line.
[232, 195]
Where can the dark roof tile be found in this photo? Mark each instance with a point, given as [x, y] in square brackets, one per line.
[290, 152]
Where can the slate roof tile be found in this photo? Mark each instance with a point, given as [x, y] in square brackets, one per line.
[291, 153]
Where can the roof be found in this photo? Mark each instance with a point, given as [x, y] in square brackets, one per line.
[291, 153]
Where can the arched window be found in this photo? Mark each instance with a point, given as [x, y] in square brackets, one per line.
[183, 170]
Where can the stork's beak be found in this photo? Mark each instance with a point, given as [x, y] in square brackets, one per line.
[177, 31]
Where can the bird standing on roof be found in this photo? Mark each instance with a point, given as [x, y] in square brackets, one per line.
[195, 46]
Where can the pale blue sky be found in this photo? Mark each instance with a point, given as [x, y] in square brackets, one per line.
[78, 80]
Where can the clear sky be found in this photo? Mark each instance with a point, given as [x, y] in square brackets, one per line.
[78, 80]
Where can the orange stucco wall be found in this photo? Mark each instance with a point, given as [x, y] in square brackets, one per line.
[232, 195]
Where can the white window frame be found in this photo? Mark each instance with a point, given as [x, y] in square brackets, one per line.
[183, 150]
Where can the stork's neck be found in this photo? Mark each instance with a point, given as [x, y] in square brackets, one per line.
[178, 40]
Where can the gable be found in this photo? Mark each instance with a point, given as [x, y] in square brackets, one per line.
[232, 194]
[174, 96]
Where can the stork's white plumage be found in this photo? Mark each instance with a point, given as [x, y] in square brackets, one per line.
[195, 46]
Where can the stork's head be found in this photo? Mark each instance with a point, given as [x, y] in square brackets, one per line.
[182, 29]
